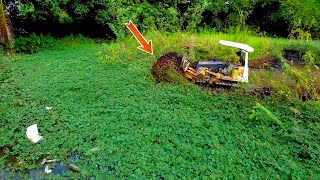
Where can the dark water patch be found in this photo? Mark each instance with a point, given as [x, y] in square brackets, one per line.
[3, 174]
[291, 55]
[110, 168]
[74, 163]
[9, 159]
[60, 169]
[37, 174]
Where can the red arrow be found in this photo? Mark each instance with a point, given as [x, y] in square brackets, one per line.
[145, 46]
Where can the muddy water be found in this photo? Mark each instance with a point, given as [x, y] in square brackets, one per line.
[10, 161]
[39, 173]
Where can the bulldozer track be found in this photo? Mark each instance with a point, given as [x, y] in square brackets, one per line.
[226, 84]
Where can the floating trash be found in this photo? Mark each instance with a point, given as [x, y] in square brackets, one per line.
[94, 149]
[48, 108]
[73, 167]
[44, 161]
[33, 134]
[47, 170]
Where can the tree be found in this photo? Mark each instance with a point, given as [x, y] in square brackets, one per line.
[6, 31]
[280, 17]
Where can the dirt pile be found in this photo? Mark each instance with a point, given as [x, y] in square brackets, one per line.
[269, 61]
[260, 92]
[167, 68]
[265, 61]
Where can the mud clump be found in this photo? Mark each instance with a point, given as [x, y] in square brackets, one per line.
[260, 92]
[295, 56]
[265, 61]
[167, 68]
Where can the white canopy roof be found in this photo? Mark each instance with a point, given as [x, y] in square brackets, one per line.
[237, 45]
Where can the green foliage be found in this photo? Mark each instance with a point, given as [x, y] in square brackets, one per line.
[33, 43]
[301, 17]
[261, 113]
[309, 58]
[44, 11]
[300, 34]
[298, 83]
[234, 12]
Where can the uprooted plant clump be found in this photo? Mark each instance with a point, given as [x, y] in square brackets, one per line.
[167, 68]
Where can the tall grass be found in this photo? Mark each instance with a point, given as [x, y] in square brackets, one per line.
[204, 45]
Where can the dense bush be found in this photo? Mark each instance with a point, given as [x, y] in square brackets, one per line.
[295, 81]
[283, 18]
[300, 84]
[33, 43]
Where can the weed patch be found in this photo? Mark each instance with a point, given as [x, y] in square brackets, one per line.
[144, 130]
[297, 83]
[167, 68]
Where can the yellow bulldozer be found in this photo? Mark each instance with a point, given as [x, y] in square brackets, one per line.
[216, 72]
